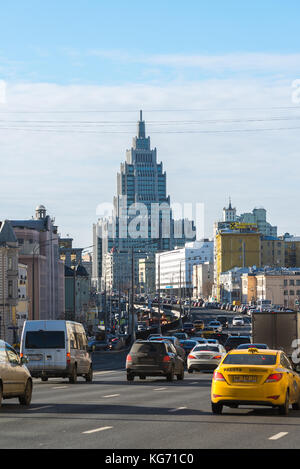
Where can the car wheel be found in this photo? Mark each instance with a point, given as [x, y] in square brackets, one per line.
[284, 409]
[130, 377]
[25, 399]
[180, 377]
[216, 408]
[73, 376]
[190, 370]
[89, 375]
[44, 378]
[142, 377]
[170, 376]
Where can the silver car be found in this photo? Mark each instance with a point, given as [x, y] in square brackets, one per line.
[205, 357]
[15, 379]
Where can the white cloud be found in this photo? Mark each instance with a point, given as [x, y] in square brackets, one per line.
[69, 163]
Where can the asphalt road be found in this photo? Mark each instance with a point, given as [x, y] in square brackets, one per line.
[153, 414]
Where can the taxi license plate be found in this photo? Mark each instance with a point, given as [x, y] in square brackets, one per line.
[244, 379]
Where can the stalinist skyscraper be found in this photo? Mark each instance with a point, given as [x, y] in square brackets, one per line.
[142, 217]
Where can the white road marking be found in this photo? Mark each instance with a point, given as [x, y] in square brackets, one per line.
[101, 429]
[43, 407]
[159, 389]
[176, 410]
[60, 387]
[278, 435]
[112, 395]
[105, 372]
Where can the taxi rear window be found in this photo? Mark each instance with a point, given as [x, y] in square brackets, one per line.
[250, 359]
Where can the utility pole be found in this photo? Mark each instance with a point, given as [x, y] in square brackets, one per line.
[133, 336]
[158, 271]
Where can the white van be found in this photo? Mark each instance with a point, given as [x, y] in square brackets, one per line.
[56, 349]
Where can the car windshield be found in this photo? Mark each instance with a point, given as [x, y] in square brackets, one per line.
[45, 339]
[149, 347]
[250, 359]
[206, 348]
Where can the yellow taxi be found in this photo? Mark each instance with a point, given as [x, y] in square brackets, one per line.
[255, 377]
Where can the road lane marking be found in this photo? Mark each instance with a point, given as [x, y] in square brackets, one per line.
[176, 410]
[278, 435]
[111, 395]
[101, 429]
[159, 389]
[43, 407]
[107, 371]
[60, 387]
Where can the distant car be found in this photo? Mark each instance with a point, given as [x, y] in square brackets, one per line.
[212, 341]
[97, 345]
[181, 335]
[188, 345]
[198, 324]
[154, 358]
[238, 321]
[205, 357]
[246, 346]
[216, 325]
[189, 328]
[15, 378]
[234, 340]
[223, 320]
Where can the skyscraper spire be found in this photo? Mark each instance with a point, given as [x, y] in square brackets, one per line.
[141, 127]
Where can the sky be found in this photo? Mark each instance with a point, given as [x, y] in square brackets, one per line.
[218, 82]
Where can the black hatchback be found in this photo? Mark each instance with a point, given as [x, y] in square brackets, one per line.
[151, 358]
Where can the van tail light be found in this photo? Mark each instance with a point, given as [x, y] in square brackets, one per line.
[191, 357]
[166, 359]
[68, 358]
[273, 378]
[218, 376]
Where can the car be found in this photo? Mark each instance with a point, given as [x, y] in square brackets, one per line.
[216, 325]
[188, 327]
[205, 357]
[223, 320]
[57, 349]
[15, 378]
[154, 358]
[198, 324]
[181, 335]
[174, 341]
[212, 341]
[208, 331]
[200, 340]
[238, 321]
[234, 340]
[255, 377]
[97, 345]
[246, 346]
[188, 345]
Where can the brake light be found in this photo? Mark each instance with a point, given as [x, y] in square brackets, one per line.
[166, 359]
[216, 357]
[191, 356]
[68, 358]
[274, 377]
[128, 358]
[218, 376]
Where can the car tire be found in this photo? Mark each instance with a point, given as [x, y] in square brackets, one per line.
[44, 378]
[89, 375]
[170, 376]
[130, 377]
[190, 371]
[143, 377]
[25, 399]
[284, 409]
[216, 408]
[73, 376]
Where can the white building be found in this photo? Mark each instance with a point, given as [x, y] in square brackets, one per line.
[203, 278]
[174, 269]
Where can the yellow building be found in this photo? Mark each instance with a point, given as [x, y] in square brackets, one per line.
[236, 248]
[272, 252]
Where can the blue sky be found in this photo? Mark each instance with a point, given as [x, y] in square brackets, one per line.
[228, 65]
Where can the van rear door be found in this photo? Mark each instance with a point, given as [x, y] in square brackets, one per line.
[46, 349]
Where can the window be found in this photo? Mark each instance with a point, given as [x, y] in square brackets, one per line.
[45, 339]
[285, 283]
[292, 292]
[286, 292]
[292, 282]
[12, 355]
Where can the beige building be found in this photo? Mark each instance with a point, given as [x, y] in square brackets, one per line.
[203, 276]
[23, 303]
[281, 287]
[147, 274]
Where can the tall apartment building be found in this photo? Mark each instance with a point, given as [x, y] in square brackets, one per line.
[141, 218]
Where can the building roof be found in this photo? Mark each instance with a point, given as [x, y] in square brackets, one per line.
[7, 234]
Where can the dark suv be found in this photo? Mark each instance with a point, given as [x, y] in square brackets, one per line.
[234, 340]
[151, 358]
